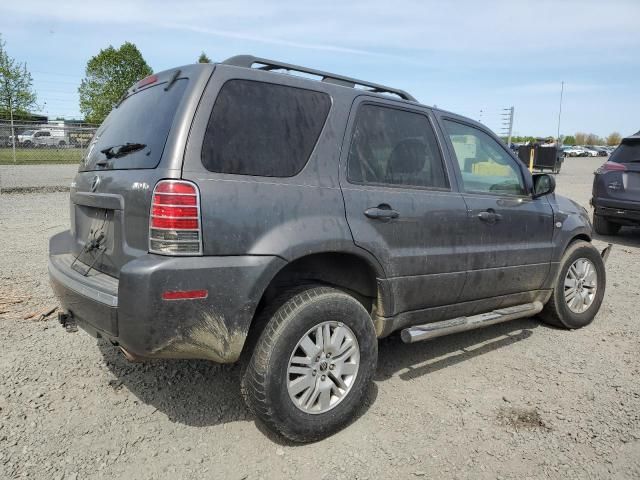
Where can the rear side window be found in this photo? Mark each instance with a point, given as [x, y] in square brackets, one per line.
[394, 147]
[627, 152]
[263, 129]
[143, 118]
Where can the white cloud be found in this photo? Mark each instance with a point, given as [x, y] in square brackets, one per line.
[501, 27]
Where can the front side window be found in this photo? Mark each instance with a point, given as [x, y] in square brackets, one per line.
[485, 166]
[394, 147]
[263, 129]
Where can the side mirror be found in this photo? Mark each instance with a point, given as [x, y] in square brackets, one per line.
[543, 184]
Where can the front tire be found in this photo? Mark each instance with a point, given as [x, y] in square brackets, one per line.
[312, 365]
[602, 226]
[579, 288]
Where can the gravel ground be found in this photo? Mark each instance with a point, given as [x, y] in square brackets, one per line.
[517, 400]
[36, 177]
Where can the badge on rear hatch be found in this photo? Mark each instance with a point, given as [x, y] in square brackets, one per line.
[94, 183]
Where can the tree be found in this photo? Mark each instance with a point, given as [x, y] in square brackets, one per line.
[203, 58]
[580, 137]
[16, 94]
[592, 139]
[108, 76]
[569, 140]
[614, 138]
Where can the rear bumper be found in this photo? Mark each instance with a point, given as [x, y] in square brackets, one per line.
[622, 213]
[130, 310]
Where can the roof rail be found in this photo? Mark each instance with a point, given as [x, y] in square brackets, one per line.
[248, 61]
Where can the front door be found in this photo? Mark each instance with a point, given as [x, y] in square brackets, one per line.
[509, 233]
[400, 203]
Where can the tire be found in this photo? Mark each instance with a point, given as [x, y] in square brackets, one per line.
[557, 311]
[267, 381]
[602, 226]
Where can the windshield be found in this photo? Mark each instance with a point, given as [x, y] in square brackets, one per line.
[143, 118]
[627, 152]
[27, 132]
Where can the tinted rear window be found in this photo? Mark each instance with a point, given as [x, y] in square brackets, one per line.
[145, 117]
[627, 152]
[263, 129]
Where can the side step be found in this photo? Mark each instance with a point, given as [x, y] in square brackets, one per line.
[428, 331]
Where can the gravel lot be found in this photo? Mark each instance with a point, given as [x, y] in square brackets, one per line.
[517, 400]
[37, 177]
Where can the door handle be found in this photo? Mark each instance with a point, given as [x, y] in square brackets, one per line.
[381, 212]
[490, 216]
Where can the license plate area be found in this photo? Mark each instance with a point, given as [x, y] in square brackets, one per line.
[95, 238]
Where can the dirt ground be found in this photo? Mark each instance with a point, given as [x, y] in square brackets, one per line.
[517, 400]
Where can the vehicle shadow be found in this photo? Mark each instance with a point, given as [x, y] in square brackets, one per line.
[423, 358]
[626, 237]
[196, 393]
[201, 393]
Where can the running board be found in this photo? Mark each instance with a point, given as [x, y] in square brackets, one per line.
[428, 331]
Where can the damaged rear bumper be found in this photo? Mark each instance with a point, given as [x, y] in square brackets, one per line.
[131, 312]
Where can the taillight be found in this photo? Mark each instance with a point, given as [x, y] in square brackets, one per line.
[174, 224]
[611, 167]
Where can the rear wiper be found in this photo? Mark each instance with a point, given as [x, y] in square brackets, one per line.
[117, 151]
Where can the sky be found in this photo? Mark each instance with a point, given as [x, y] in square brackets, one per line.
[474, 58]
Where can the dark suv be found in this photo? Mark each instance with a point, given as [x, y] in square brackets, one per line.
[616, 189]
[231, 210]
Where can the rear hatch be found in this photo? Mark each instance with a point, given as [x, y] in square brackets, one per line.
[139, 143]
[619, 178]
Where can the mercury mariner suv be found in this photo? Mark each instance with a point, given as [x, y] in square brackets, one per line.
[293, 217]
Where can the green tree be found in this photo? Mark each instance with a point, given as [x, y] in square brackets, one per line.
[203, 58]
[614, 138]
[16, 93]
[108, 76]
[569, 140]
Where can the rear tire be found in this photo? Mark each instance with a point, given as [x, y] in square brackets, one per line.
[576, 298]
[602, 226]
[285, 358]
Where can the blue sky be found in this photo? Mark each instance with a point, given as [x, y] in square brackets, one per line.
[463, 56]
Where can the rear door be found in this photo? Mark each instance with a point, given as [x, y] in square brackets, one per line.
[401, 203]
[509, 234]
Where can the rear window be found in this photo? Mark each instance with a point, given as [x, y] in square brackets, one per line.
[263, 129]
[627, 152]
[143, 118]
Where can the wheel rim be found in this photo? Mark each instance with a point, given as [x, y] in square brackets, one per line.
[323, 367]
[580, 285]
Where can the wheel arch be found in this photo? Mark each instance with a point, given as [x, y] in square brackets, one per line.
[348, 271]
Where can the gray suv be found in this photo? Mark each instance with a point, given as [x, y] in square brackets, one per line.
[292, 217]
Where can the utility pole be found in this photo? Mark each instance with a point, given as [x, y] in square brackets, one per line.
[13, 132]
[507, 122]
[560, 114]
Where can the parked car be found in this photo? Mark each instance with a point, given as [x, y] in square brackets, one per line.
[46, 138]
[227, 210]
[574, 152]
[589, 151]
[602, 151]
[616, 189]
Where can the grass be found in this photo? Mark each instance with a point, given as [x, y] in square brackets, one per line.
[39, 156]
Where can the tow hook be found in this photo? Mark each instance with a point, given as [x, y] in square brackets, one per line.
[67, 321]
[605, 253]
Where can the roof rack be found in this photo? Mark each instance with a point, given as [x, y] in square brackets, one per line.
[248, 61]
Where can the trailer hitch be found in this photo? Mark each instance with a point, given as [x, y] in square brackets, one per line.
[67, 321]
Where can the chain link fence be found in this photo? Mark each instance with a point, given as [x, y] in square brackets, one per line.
[32, 142]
